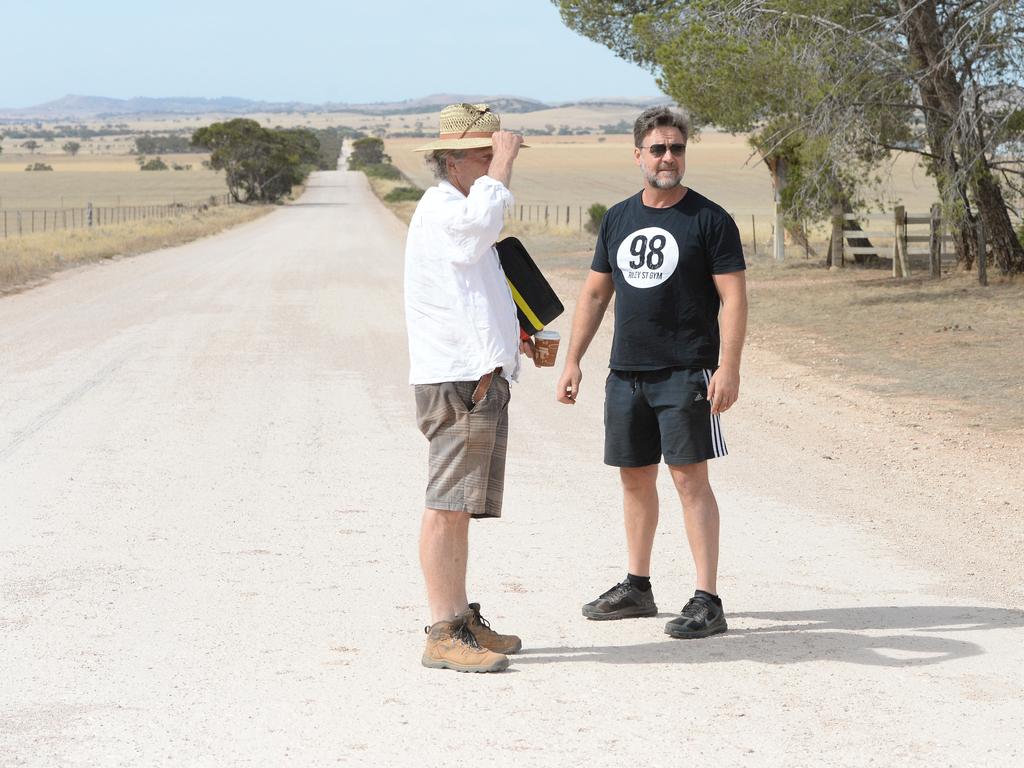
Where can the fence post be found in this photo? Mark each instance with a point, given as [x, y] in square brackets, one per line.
[836, 249]
[88, 214]
[900, 263]
[780, 232]
[19, 223]
[982, 256]
[935, 241]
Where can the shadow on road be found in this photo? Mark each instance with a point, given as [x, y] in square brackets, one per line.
[787, 637]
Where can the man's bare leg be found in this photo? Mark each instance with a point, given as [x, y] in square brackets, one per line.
[640, 508]
[700, 513]
[444, 550]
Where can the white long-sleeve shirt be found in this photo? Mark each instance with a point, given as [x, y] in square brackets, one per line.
[459, 311]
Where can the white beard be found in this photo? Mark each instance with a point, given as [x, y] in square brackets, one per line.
[662, 182]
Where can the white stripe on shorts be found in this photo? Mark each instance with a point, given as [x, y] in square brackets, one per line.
[716, 426]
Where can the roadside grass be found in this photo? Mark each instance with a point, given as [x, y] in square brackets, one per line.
[25, 261]
[382, 187]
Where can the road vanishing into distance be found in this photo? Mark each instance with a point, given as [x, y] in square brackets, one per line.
[210, 490]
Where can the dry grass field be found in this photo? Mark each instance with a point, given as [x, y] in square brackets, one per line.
[576, 171]
[580, 170]
[102, 179]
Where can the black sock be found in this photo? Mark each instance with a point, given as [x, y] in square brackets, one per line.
[643, 583]
[708, 596]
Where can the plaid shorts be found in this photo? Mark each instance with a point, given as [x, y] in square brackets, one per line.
[467, 445]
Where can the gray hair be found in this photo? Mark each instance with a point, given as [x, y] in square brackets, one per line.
[437, 161]
[659, 117]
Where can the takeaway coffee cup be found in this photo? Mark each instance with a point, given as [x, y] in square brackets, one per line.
[546, 347]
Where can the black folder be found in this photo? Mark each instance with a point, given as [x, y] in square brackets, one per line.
[536, 303]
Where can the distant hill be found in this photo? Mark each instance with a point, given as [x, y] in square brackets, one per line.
[73, 107]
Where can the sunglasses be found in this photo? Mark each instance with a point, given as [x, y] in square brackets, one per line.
[660, 149]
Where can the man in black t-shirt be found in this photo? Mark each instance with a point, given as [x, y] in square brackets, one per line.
[673, 260]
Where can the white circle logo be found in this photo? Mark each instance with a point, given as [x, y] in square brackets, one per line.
[648, 257]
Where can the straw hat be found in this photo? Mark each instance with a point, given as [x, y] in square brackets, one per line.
[465, 126]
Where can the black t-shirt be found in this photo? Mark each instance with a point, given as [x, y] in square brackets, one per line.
[662, 260]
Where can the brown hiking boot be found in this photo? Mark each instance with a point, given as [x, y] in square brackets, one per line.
[451, 645]
[487, 637]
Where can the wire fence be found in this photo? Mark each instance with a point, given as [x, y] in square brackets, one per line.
[753, 226]
[21, 222]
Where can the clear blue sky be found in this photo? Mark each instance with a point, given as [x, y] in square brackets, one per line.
[303, 50]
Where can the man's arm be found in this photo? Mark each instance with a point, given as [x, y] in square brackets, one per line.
[724, 388]
[590, 308]
[506, 147]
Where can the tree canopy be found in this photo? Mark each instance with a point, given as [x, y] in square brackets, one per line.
[828, 89]
[260, 164]
[367, 151]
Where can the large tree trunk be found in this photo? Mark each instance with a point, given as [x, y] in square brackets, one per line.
[954, 129]
[1008, 252]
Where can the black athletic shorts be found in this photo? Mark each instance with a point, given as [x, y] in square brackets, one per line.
[648, 414]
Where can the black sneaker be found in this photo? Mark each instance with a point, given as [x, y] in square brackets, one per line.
[700, 617]
[621, 602]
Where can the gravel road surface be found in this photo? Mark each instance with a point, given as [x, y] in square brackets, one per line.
[210, 489]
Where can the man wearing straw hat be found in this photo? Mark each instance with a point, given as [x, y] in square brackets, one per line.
[464, 348]
[674, 262]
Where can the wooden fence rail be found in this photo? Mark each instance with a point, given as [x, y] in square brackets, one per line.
[904, 236]
[29, 221]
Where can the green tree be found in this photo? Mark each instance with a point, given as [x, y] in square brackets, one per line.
[31, 145]
[260, 164]
[743, 79]
[367, 151]
[829, 88]
[72, 147]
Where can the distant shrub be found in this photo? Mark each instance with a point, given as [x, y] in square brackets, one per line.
[382, 171]
[402, 194]
[154, 164]
[39, 167]
[153, 145]
[187, 167]
[595, 213]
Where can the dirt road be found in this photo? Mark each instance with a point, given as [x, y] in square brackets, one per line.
[210, 484]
